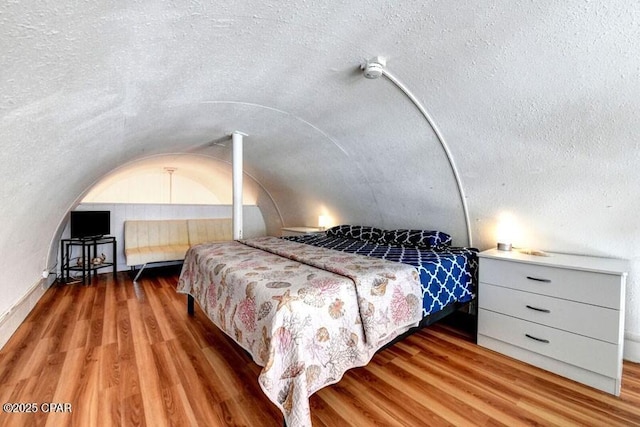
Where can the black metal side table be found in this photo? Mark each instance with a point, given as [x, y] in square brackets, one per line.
[89, 253]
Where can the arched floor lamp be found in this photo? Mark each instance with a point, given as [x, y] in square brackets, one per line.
[373, 69]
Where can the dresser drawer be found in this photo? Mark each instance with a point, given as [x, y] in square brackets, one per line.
[584, 319]
[584, 286]
[577, 350]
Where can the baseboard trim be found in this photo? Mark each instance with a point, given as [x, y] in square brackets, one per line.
[632, 347]
[13, 318]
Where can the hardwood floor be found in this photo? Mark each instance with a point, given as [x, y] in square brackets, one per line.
[125, 354]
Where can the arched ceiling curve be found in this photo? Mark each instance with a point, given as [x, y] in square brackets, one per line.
[538, 101]
[214, 177]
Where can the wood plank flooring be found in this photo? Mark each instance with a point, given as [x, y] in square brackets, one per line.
[124, 354]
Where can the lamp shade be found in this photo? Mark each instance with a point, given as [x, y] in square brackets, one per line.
[322, 222]
[505, 231]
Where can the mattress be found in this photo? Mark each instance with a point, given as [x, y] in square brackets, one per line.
[447, 274]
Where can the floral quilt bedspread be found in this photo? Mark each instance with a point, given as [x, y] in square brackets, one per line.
[305, 314]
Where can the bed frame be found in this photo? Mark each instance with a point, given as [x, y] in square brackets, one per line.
[426, 321]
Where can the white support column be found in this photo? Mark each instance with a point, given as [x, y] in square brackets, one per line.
[237, 184]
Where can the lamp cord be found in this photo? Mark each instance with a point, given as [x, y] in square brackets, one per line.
[442, 142]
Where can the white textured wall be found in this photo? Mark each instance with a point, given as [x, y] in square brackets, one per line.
[538, 101]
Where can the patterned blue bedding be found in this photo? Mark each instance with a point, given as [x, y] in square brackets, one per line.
[447, 274]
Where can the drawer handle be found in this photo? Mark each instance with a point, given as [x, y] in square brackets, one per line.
[537, 279]
[542, 310]
[537, 339]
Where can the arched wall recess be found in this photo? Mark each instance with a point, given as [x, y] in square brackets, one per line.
[148, 181]
[160, 159]
[373, 69]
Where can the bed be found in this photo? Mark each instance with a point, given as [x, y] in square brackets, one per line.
[308, 308]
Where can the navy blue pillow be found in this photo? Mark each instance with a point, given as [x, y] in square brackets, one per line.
[358, 232]
[416, 238]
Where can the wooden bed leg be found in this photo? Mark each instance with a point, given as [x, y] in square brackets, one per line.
[190, 308]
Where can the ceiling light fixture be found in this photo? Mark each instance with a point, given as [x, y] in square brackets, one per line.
[376, 67]
[170, 170]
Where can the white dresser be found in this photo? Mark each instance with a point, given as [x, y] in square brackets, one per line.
[562, 313]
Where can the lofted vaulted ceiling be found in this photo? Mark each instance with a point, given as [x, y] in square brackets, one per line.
[538, 101]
